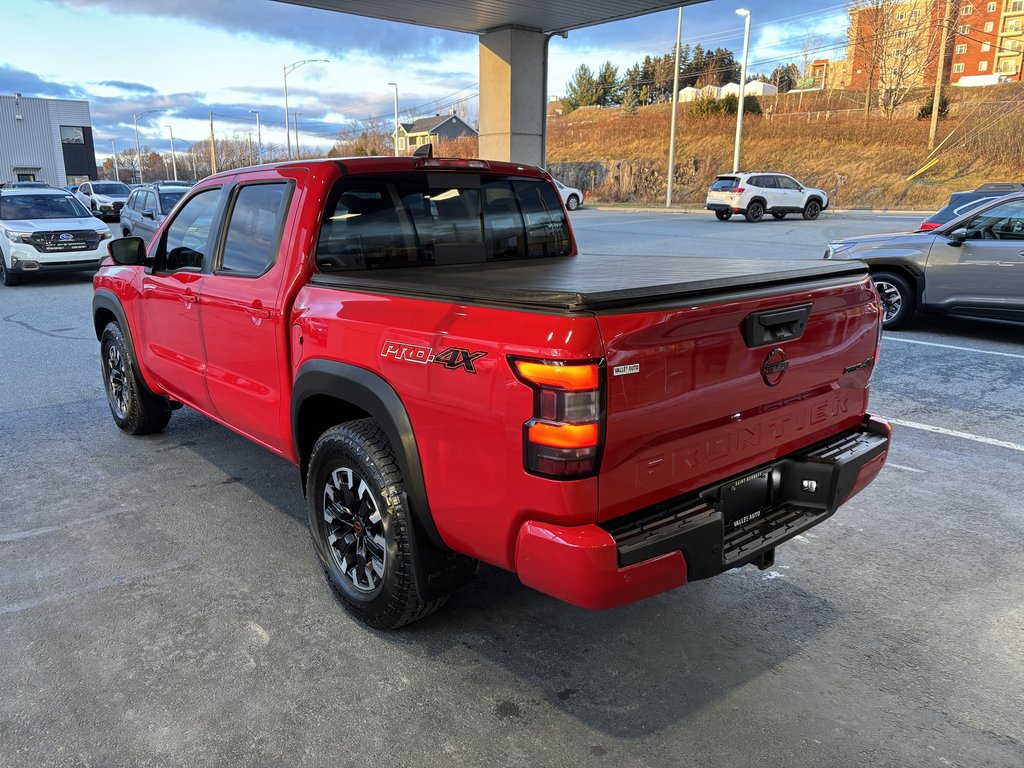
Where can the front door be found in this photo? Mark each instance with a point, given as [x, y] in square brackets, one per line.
[172, 345]
[244, 324]
[987, 270]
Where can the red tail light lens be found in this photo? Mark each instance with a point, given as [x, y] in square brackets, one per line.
[926, 225]
[564, 437]
[738, 190]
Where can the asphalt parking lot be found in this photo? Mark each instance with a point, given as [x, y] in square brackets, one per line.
[160, 603]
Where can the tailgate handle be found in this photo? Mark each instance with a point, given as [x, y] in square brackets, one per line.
[775, 325]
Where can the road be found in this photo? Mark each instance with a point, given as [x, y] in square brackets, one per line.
[160, 605]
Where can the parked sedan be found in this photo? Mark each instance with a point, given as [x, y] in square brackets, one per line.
[147, 207]
[571, 196]
[971, 266]
[103, 198]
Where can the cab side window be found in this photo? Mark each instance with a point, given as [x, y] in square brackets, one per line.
[1003, 222]
[183, 245]
[254, 232]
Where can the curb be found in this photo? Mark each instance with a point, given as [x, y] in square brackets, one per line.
[685, 209]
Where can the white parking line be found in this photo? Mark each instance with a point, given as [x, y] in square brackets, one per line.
[961, 435]
[952, 346]
[900, 466]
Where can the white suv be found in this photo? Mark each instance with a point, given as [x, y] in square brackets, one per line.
[756, 193]
[47, 230]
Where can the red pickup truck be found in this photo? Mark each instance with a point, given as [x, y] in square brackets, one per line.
[456, 384]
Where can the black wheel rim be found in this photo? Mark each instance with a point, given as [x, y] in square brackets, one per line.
[756, 212]
[812, 210]
[892, 300]
[355, 531]
[117, 381]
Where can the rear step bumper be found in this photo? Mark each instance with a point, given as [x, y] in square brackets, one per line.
[702, 534]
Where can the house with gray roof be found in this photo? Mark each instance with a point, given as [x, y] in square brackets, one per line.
[428, 130]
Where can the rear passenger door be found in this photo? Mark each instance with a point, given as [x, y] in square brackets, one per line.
[244, 325]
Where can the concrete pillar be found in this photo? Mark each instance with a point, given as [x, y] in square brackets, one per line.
[512, 95]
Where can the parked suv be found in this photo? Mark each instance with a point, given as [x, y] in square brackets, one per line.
[962, 202]
[756, 193]
[148, 206]
[972, 265]
[103, 198]
[46, 230]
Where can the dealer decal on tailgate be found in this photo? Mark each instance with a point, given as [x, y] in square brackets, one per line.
[452, 358]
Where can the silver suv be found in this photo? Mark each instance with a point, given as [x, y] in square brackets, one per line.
[756, 193]
[971, 266]
[148, 206]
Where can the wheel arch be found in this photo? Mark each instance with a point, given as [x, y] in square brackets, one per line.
[327, 393]
[908, 270]
[106, 308]
[758, 199]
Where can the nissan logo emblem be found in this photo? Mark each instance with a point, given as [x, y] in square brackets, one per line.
[66, 236]
[774, 367]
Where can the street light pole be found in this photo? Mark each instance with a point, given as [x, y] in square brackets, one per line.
[138, 149]
[174, 159]
[396, 117]
[743, 88]
[259, 137]
[117, 173]
[289, 68]
[675, 110]
[295, 118]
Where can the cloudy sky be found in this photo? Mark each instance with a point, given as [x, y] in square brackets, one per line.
[191, 57]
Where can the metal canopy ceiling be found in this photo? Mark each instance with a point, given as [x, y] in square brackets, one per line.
[480, 16]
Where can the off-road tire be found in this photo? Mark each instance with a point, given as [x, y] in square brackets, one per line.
[135, 410]
[10, 279]
[755, 212]
[723, 215]
[812, 210]
[778, 215]
[345, 456]
[572, 203]
[898, 299]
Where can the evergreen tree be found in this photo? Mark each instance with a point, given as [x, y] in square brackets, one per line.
[629, 100]
[583, 90]
[608, 80]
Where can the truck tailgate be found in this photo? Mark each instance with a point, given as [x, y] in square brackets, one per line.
[694, 398]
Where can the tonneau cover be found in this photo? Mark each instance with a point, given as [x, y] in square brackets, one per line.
[591, 282]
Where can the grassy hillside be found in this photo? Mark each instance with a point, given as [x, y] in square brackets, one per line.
[623, 157]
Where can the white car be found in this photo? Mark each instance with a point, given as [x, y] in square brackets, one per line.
[44, 230]
[103, 198]
[756, 193]
[571, 196]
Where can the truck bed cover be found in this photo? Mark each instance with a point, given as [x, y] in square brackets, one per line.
[591, 282]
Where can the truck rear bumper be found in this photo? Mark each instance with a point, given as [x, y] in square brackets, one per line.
[701, 534]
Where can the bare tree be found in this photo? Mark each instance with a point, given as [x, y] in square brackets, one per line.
[896, 41]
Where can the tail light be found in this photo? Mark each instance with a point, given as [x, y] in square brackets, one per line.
[926, 225]
[563, 439]
[738, 190]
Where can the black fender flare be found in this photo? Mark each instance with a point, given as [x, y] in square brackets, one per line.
[104, 300]
[907, 266]
[758, 199]
[372, 394]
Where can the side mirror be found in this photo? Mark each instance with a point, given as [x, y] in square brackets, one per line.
[149, 213]
[127, 251]
[957, 237]
[85, 192]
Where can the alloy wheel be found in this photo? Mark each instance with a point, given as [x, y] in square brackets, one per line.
[892, 300]
[117, 381]
[356, 536]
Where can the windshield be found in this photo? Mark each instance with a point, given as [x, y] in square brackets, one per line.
[437, 218]
[111, 189]
[18, 207]
[168, 200]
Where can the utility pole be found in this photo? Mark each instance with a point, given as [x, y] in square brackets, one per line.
[250, 147]
[174, 158]
[213, 148]
[288, 68]
[396, 117]
[675, 110]
[259, 136]
[743, 89]
[295, 117]
[117, 173]
[940, 74]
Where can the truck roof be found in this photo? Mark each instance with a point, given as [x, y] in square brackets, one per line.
[361, 165]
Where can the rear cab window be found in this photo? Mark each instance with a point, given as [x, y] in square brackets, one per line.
[724, 184]
[423, 219]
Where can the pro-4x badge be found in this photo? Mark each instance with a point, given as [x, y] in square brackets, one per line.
[452, 358]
